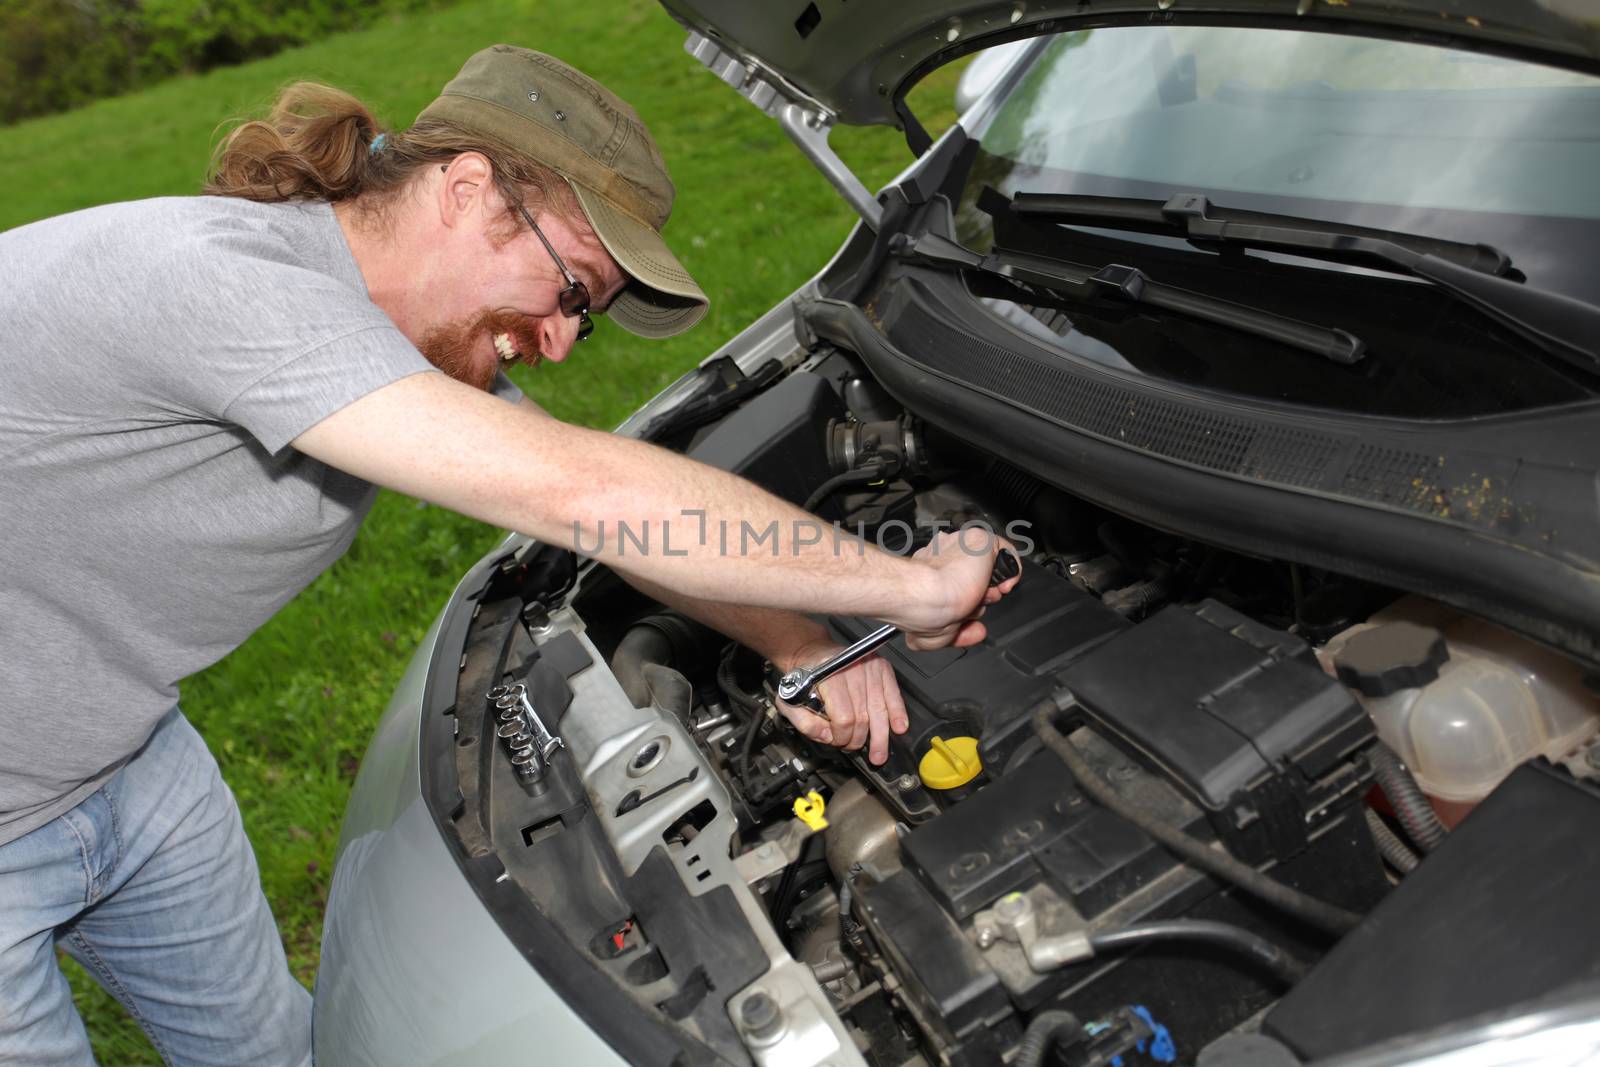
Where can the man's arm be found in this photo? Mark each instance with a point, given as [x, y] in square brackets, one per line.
[444, 442]
[864, 702]
[531, 406]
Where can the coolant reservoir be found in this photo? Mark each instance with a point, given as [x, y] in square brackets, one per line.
[1460, 700]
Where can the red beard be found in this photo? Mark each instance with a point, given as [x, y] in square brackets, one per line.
[452, 348]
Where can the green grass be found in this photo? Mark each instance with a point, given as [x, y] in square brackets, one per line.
[289, 713]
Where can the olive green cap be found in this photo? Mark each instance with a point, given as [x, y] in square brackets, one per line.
[539, 106]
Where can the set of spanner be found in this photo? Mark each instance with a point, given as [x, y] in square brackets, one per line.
[526, 738]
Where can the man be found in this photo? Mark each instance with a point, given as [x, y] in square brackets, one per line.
[197, 398]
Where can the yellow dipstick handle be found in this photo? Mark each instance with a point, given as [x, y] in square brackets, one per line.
[809, 808]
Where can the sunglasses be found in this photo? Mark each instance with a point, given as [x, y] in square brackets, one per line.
[574, 299]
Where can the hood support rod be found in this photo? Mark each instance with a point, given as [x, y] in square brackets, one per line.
[808, 128]
[807, 123]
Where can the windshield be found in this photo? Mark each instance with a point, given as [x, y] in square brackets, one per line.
[1351, 130]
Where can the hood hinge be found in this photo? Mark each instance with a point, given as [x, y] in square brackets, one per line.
[805, 121]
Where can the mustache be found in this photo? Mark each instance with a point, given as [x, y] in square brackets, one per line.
[517, 326]
[454, 348]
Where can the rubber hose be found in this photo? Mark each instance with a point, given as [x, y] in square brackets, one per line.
[1044, 1031]
[860, 476]
[770, 786]
[1224, 935]
[752, 707]
[670, 691]
[847, 922]
[1134, 601]
[729, 684]
[1318, 913]
[1410, 804]
[1113, 541]
[1394, 851]
[643, 643]
[667, 638]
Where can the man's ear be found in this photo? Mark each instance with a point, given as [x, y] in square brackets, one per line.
[468, 181]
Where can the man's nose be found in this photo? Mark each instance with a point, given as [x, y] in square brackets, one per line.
[557, 335]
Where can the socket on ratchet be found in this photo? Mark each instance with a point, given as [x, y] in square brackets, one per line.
[799, 686]
[526, 738]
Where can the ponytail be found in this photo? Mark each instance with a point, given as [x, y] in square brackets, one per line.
[314, 145]
[321, 143]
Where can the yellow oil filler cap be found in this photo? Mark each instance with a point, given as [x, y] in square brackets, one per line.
[950, 763]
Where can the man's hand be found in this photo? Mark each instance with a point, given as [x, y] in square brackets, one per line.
[957, 568]
[863, 700]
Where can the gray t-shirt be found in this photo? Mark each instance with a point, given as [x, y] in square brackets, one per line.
[156, 358]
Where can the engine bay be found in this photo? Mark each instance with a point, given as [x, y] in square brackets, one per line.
[1142, 822]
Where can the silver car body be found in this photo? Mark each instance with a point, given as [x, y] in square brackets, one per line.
[417, 970]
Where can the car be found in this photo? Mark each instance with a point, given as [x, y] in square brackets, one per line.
[1267, 332]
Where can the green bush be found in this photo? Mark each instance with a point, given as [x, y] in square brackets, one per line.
[58, 54]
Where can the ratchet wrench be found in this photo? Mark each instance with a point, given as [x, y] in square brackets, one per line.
[799, 686]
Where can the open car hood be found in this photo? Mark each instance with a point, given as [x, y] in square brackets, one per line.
[857, 58]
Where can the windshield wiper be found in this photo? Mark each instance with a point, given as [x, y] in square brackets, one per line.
[1475, 274]
[1195, 217]
[1118, 282]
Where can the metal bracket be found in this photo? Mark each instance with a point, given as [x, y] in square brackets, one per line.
[1014, 918]
[758, 86]
[770, 857]
[806, 122]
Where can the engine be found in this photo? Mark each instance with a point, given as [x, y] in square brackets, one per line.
[1125, 826]
[908, 887]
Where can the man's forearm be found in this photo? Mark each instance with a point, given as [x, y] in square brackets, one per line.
[714, 537]
[778, 635]
[646, 511]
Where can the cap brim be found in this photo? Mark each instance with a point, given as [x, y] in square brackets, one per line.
[661, 299]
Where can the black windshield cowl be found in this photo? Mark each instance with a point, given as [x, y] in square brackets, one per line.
[1475, 274]
[1121, 283]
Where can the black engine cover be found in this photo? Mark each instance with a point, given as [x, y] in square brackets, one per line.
[987, 691]
[1205, 719]
[1237, 714]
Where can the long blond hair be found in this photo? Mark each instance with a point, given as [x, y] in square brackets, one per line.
[317, 143]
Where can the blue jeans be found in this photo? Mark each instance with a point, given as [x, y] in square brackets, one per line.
[150, 883]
